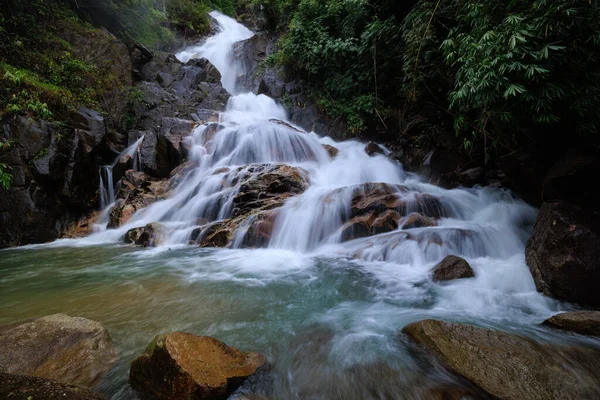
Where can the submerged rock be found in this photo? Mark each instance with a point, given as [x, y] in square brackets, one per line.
[510, 366]
[582, 322]
[563, 253]
[30, 387]
[184, 366]
[451, 268]
[70, 350]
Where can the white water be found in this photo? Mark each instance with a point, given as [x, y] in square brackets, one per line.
[108, 187]
[488, 227]
[218, 49]
[362, 291]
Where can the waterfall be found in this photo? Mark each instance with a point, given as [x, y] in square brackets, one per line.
[254, 137]
[108, 185]
[218, 49]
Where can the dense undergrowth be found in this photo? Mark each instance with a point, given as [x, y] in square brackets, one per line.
[502, 73]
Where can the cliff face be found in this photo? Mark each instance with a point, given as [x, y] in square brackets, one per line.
[54, 161]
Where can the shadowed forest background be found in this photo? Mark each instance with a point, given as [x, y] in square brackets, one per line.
[496, 75]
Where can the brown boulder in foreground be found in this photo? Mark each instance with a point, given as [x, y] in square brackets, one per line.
[65, 349]
[510, 366]
[582, 322]
[451, 268]
[180, 365]
[30, 387]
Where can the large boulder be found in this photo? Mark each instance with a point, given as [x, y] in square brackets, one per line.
[70, 350]
[451, 268]
[263, 183]
[582, 322]
[30, 387]
[563, 253]
[261, 189]
[184, 366]
[510, 366]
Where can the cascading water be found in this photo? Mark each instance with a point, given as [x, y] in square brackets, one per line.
[107, 184]
[218, 49]
[321, 299]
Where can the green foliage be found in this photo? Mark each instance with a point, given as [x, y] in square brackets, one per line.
[5, 176]
[188, 16]
[349, 57]
[521, 65]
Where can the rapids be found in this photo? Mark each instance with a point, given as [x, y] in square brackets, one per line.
[326, 311]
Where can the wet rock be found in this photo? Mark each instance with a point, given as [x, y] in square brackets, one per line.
[137, 178]
[569, 179]
[30, 387]
[582, 322]
[178, 174]
[210, 132]
[67, 349]
[378, 208]
[210, 73]
[261, 189]
[510, 366]
[82, 227]
[150, 235]
[451, 268]
[285, 125]
[259, 230]
[370, 224]
[563, 253]
[332, 151]
[133, 197]
[164, 79]
[218, 234]
[416, 220]
[163, 151]
[373, 149]
[184, 366]
[262, 184]
[249, 54]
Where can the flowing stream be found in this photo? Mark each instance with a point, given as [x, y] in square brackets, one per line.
[326, 311]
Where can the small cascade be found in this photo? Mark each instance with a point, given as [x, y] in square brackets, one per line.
[107, 184]
[218, 49]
